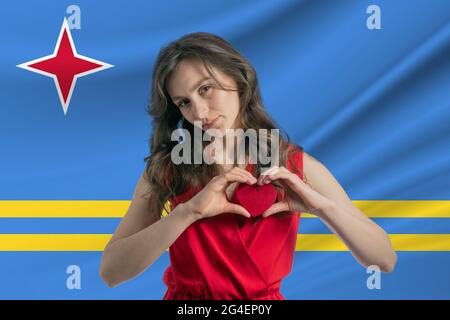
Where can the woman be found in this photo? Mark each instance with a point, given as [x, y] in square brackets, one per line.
[217, 249]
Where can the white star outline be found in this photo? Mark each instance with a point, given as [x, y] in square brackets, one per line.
[65, 27]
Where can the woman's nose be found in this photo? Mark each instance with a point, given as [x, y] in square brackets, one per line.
[199, 110]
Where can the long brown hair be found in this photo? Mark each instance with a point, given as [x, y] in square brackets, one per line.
[165, 178]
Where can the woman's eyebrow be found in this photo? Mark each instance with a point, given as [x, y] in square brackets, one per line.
[193, 87]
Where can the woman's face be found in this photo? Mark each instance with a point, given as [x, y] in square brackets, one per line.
[199, 97]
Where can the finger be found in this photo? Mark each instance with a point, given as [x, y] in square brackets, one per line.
[241, 172]
[248, 176]
[235, 208]
[291, 179]
[245, 178]
[262, 177]
[295, 176]
[270, 170]
[244, 172]
[220, 183]
[231, 177]
[225, 180]
[275, 208]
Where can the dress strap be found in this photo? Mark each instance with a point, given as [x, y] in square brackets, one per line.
[295, 160]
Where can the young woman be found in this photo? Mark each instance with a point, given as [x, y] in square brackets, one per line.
[217, 249]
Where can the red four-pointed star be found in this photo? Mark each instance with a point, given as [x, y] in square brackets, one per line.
[65, 65]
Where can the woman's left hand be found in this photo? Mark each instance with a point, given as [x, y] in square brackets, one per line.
[297, 195]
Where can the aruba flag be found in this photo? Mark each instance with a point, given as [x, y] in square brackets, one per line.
[363, 86]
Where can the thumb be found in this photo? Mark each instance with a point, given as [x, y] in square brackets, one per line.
[235, 208]
[275, 208]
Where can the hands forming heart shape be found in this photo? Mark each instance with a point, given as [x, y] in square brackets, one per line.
[295, 196]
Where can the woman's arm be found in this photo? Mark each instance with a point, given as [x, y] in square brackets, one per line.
[140, 239]
[368, 242]
[324, 197]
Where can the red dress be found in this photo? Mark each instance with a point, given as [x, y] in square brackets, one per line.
[231, 257]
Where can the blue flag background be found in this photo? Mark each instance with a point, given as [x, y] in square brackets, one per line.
[372, 105]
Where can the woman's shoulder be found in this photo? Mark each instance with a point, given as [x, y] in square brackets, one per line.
[184, 196]
[295, 159]
[314, 172]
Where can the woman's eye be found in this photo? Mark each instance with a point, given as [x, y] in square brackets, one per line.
[204, 89]
[181, 105]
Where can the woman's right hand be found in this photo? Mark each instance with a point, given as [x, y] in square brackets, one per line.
[212, 199]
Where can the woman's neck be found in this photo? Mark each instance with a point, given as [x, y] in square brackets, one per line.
[230, 155]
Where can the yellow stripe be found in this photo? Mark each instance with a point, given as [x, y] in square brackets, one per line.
[166, 209]
[63, 208]
[53, 242]
[118, 208]
[305, 242]
[400, 242]
[401, 208]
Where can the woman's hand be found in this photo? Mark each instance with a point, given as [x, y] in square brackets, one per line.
[297, 195]
[212, 199]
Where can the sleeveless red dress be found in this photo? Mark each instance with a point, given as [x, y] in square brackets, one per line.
[231, 257]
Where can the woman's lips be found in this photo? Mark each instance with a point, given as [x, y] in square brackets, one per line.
[212, 124]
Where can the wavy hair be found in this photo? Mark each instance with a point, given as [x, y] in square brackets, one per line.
[165, 178]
